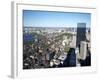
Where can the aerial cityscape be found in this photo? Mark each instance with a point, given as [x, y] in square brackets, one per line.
[54, 40]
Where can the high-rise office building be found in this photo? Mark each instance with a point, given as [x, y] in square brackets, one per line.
[81, 33]
[83, 50]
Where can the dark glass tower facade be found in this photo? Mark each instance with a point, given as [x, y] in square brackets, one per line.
[81, 33]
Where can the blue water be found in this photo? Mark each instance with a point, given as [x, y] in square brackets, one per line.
[27, 37]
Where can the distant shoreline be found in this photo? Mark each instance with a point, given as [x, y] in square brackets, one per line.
[53, 27]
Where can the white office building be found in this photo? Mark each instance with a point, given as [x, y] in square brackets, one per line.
[83, 50]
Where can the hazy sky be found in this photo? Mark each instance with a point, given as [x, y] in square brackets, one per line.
[54, 19]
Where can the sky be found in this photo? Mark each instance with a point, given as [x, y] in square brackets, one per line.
[33, 18]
